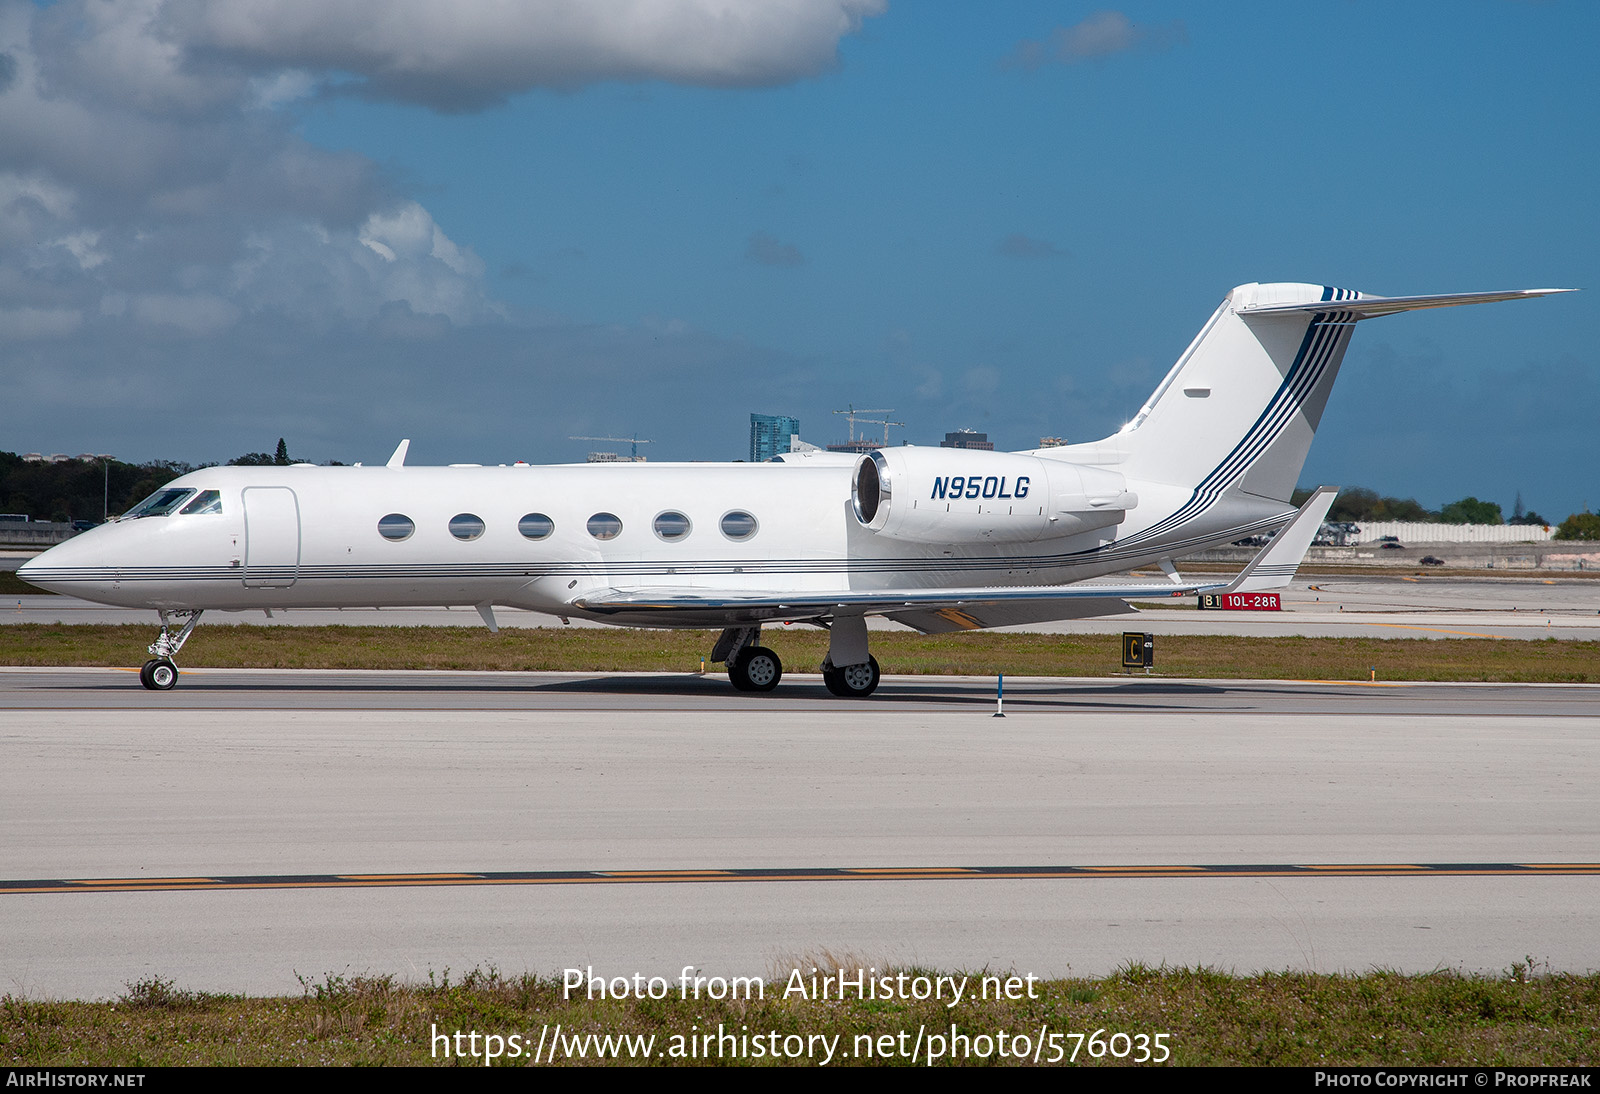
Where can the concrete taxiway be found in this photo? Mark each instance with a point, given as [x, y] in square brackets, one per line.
[407, 789]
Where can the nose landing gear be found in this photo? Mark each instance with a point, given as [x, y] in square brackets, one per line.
[160, 673]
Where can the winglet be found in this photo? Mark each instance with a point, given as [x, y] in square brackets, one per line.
[1274, 567]
[399, 457]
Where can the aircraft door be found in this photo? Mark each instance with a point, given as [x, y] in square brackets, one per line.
[271, 537]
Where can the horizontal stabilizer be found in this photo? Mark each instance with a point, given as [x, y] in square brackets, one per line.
[1369, 307]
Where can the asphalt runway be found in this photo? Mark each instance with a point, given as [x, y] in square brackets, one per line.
[253, 827]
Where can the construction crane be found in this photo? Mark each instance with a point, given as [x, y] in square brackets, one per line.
[852, 415]
[633, 440]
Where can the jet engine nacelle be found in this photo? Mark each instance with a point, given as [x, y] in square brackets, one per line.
[963, 496]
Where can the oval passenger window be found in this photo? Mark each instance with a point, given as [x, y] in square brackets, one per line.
[739, 525]
[605, 526]
[466, 526]
[672, 525]
[396, 526]
[536, 526]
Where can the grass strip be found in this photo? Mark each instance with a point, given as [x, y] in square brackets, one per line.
[590, 649]
[12, 585]
[1284, 1019]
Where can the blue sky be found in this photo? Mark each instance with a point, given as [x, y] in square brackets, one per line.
[225, 222]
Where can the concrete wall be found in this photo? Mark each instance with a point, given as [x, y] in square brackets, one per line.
[1555, 556]
[1409, 532]
[34, 533]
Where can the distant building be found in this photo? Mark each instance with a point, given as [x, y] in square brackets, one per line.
[966, 438]
[860, 446]
[1052, 442]
[612, 457]
[772, 435]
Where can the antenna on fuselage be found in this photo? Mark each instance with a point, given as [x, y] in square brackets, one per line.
[399, 457]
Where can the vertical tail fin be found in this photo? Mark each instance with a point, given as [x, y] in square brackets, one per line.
[1240, 407]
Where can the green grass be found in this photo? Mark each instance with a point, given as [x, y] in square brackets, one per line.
[1210, 1018]
[12, 585]
[589, 649]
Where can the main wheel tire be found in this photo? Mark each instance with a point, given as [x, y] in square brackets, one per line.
[755, 669]
[831, 680]
[159, 674]
[853, 681]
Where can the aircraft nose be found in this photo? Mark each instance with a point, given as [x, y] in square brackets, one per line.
[53, 569]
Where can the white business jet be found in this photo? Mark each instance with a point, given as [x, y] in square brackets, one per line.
[938, 539]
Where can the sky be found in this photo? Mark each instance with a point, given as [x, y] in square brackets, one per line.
[489, 227]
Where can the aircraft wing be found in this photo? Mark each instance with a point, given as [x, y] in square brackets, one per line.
[939, 610]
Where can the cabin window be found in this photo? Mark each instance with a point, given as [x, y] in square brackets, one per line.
[672, 525]
[739, 525]
[605, 526]
[536, 526]
[466, 526]
[160, 503]
[207, 501]
[396, 526]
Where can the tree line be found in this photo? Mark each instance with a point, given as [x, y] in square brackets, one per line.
[93, 489]
[1358, 504]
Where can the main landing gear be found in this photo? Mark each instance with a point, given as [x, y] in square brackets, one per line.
[160, 673]
[755, 668]
[849, 671]
[853, 681]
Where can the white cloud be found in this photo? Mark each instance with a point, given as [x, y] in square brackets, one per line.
[146, 172]
[28, 323]
[1101, 35]
[161, 217]
[82, 246]
[194, 314]
[472, 53]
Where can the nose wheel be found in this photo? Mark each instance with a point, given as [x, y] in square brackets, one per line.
[159, 674]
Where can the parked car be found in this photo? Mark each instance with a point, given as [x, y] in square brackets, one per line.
[1432, 560]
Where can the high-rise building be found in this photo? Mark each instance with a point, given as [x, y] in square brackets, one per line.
[966, 438]
[771, 435]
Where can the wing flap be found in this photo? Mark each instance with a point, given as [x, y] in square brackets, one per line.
[981, 616]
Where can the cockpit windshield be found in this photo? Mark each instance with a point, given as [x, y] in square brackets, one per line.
[159, 504]
[207, 501]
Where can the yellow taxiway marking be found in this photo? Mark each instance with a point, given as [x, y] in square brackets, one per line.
[1106, 872]
[1436, 630]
